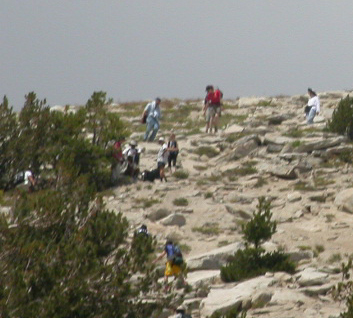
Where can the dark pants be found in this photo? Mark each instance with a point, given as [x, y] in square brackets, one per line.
[172, 159]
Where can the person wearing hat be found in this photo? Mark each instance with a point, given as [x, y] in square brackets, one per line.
[313, 107]
[162, 158]
[132, 156]
[152, 113]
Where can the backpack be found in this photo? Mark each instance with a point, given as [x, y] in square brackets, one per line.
[178, 256]
[217, 96]
[19, 178]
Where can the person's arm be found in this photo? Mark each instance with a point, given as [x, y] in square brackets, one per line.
[159, 257]
[32, 180]
[146, 110]
[317, 106]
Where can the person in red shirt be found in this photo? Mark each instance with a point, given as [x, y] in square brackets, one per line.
[212, 108]
[208, 109]
[118, 159]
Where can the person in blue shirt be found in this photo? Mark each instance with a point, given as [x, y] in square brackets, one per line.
[153, 114]
[171, 269]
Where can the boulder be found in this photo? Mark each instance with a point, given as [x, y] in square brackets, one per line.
[213, 259]
[244, 146]
[233, 129]
[158, 214]
[287, 173]
[203, 277]
[338, 150]
[297, 256]
[294, 196]
[320, 144]
[222, 299]
[277, 119]
[239, 212]
[291, 156]
[344, 200]
[274, 148]
[244, 149]
[174, 219]
[310, 277]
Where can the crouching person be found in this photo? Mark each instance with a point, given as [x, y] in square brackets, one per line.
[132, 157]
[25, 180]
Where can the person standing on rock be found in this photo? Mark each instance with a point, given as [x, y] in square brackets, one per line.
[173, 152]
[313, 107]
[162, 158]
[212, 108]
[173, 264]
[152, 113]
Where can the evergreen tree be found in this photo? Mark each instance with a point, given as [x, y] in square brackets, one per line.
[64, 255]
[8, 133]
[253, 260]
[342, 118]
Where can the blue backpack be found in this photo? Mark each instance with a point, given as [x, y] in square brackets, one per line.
[178, 256]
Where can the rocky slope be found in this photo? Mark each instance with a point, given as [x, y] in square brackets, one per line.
[264, 148]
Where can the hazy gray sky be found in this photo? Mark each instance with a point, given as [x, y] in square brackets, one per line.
[139, 49]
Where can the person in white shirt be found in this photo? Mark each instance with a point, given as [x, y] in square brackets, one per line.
[162, 158]
[313, 105]
[132, 157]
[25, 180]
[153, 115]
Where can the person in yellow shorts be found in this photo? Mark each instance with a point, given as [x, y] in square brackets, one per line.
[174, 261]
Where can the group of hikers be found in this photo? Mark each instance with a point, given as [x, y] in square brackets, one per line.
[126, 161]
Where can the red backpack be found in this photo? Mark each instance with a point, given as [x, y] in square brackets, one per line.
[217, 96]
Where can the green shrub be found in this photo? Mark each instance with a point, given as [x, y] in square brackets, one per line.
[181, 202]
[208, 195]
[247, 168]
[342, 118]
[208, 229]
[296, 143]
[234, 137]
[253, 261]
[181, 174]
[234, 312]
[249, 263]
[147, 202]
[210, 152]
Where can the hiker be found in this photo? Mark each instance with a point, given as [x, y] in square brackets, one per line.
[212, 108]
[313, 107]
[118, 159]
[25, 180]
[174, 262]
[142, 231]
[152, 113]
[181, 312]
[132, 156]
[173, 151]
[162, 158]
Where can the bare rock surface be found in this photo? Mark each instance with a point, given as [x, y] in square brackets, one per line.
[298, 167]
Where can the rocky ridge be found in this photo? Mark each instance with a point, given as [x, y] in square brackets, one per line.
[264, 148]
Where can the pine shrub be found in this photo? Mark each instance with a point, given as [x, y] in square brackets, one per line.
[253, 260]
[342, 118]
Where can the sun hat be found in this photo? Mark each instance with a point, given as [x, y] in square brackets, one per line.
[161, 139]
[133, 143]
